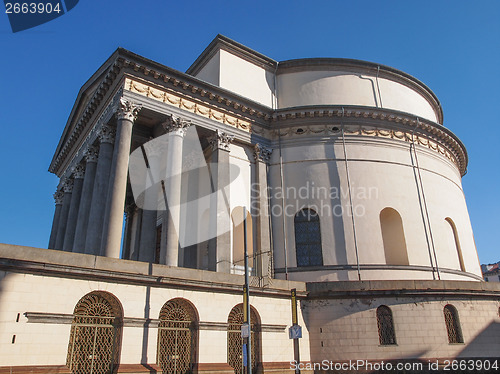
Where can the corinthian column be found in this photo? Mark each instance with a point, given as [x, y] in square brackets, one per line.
[264, 256]
[90, 155]
[58, 197]
[69, 236]
[113, 218]
[100, 191]
[219, 248]
[176, 129]
[63, 219]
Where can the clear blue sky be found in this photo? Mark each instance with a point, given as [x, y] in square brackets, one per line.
[452, 46]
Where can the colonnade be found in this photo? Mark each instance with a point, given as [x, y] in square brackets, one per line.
[90, 205]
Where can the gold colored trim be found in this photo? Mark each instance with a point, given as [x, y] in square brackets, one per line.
[177, 101]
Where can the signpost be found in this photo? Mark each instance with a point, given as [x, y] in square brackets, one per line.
[295, 331]
[247, 346]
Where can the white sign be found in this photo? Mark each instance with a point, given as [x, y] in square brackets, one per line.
[245, 330]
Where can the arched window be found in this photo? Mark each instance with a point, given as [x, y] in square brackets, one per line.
[454, 242]
[308, 238]
[177, 337]
[235, 341]
[238, 236]
[452, 324]
[393, 237]
[95, 339]
[385, 323]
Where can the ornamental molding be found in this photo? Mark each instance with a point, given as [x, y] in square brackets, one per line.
[91, 153]
[176, 125]
[353, 130]
[201, 109]
[58, 197]
[88, 112]
[127, 110]
[220, 140]
[106, 134]
[78, 171]
[424, 132]
[68, 185]
[261, 153]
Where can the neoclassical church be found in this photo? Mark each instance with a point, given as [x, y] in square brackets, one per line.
[339, 173]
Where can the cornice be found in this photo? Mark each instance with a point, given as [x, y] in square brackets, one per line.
[369, 121]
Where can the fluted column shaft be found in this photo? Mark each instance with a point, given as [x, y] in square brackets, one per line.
[86, 200]
[113, 218]
[176, 129]
[219, 248]
[147, 245]
[58, 197]
[69, 236]
[63, 219]
[100, 191]
[264, 251]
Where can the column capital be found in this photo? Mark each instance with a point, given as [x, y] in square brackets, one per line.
[91, 153]
[58, 197]
[106, 134]
[176, 125]
[127, 110]
[68, 185]
[220, 140]
[261, 153]
[78, 171]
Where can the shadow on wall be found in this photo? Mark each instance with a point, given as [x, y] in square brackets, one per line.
[485, 344]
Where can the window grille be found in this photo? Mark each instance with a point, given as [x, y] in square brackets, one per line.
[177, 337]
[452, 324]
[95, 338]
[235, 341]
[308, 238]
[385, 323]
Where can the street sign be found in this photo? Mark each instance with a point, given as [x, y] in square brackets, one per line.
[245, 330]
[295, 332]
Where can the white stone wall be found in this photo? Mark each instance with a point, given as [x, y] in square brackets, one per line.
[350, 332]
[381, 175]
[46, 344]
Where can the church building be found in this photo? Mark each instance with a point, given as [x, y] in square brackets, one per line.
[338, 176]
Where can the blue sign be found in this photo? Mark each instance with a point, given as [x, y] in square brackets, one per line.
[245, 356]
[295, 332]
[25, 14]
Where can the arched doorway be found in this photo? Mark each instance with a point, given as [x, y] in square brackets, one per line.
[235, 341]
[177, 337]
[95, 339]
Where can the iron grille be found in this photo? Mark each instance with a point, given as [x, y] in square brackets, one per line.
[386, 333]
[95, 336]
[452, 324]
[308, 238]
[235, 341]
[177, 337]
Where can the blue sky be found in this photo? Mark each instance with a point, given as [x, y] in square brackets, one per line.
[452, 46]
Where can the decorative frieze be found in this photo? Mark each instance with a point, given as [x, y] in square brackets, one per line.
[127, 110]
[91, 153]
[107, 134]
[359, 130]
[177, 101]
[58, 197]
[220, 140]
[261, 153]
[176, 125]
